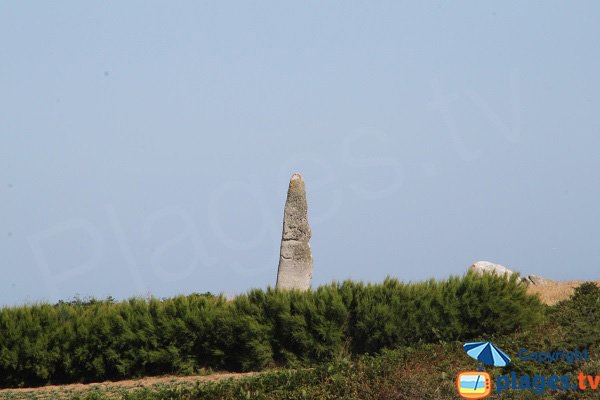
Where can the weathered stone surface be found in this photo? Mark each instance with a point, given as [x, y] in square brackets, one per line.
[538, 280]
[295, 259]
[481, 267]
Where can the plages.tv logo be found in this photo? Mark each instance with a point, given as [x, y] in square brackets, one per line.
[478, 384]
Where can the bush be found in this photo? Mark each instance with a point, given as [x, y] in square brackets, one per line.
[580, 317]
[460, 308]
[96, 340]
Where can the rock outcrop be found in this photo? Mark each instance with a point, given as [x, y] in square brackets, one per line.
[481, 267]
[295, 258]
[537, 280]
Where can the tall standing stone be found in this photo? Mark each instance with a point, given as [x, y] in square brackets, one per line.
[295, 258]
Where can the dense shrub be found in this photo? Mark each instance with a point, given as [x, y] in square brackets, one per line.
[580, 317]
[95, 340]
[398, 313]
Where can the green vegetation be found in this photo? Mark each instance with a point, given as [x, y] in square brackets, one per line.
[99, 340]
[581, 317]
[415, 370]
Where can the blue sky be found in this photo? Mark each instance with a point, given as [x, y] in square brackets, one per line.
[146, 147]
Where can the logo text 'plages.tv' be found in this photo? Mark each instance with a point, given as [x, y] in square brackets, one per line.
[478, 384]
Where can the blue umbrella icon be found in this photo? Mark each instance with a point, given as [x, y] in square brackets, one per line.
[487, 353]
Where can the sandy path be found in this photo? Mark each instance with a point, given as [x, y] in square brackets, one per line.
[111, 386]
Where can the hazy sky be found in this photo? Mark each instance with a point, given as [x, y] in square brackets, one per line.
[146, 147]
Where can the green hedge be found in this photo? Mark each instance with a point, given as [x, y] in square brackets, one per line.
[97, 340]
[580, 314]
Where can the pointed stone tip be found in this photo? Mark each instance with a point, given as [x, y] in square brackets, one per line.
[296, 183]
[296, 176]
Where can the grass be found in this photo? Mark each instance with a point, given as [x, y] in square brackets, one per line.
[554, 291]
